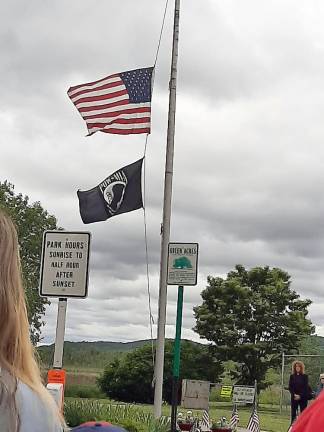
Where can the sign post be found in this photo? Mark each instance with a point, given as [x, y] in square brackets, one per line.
[182, 270]
[176, 361]
[56, 382]
[60, 331]
[64, 274]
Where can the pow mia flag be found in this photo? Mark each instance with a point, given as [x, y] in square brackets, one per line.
[121, 192]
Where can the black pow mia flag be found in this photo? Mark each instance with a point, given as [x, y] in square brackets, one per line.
[121, 192]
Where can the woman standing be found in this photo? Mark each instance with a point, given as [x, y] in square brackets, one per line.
[25, 404]
[299, 388]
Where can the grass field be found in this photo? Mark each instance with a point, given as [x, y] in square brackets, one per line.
[271, 420]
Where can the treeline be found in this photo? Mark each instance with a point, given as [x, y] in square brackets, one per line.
[89, 355]
[78, 357]
[129, 378]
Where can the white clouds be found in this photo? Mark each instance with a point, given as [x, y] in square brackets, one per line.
[248, 154]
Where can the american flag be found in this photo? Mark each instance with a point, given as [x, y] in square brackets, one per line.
[235, 418]
[117, 104]
[205, 421]
[254, 422]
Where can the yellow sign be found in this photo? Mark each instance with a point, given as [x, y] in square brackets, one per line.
[226, 391]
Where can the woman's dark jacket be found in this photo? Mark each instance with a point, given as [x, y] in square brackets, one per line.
[298, 384]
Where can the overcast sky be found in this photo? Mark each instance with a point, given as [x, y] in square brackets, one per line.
[249, 146]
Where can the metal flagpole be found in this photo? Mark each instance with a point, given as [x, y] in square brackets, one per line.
[165, 231]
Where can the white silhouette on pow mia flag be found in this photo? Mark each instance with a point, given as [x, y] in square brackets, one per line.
[121, 192]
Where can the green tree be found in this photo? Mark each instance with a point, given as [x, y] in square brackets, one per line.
[129, 379]
[31, 221]
[251, 317]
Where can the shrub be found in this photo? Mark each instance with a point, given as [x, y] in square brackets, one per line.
[129, 426]
[83, 391]
[216, 397]
[270, 396]
[81, 411]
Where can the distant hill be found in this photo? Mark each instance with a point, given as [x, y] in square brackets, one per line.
[96, 355]
[89, 355]
[320, 340]
[100, 345]
[85, 354]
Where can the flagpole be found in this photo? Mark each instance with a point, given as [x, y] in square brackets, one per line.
[165, 231]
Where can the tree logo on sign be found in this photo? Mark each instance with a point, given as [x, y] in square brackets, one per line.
[182, 263]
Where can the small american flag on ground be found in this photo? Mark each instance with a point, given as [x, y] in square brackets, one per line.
[205, 421]
[254, 422]
[117, 104]
[235, 418]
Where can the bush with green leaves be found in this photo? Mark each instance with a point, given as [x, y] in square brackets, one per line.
[83, 391]
[129, 379]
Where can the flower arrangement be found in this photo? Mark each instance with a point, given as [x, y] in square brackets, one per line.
[221, 425]
[185, 423]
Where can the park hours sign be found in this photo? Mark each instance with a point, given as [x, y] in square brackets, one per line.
[182, 263]
[65, 264]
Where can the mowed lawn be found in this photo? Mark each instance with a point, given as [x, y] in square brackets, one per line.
[271, 420]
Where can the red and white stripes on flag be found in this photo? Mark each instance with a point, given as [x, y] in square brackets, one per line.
[117, 104]
[205, 421]
[235, 418]
[254, 422]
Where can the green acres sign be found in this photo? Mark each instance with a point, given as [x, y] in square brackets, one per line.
[182, 263]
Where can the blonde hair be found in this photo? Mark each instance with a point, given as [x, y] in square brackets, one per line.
[300, 364]
[17, 354]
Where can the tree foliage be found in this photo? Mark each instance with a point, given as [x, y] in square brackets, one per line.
[31, 221]
[76, 355]
[250, 317]
[129, 379]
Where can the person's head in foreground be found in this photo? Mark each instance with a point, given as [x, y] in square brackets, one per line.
[101, 426]
[25, 404]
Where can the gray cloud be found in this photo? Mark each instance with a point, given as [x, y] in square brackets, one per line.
[248, 169]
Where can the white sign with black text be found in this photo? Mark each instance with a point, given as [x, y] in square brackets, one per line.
[243, 394]
[65, 264]
[182, 263]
